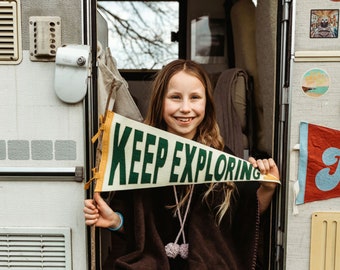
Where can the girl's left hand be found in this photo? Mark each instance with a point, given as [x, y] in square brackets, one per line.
[266, 190]
[266, 166]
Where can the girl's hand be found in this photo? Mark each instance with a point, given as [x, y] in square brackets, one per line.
[97, 212]
[266, 166]
[266, 190]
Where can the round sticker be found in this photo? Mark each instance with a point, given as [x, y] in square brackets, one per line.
[315, 82]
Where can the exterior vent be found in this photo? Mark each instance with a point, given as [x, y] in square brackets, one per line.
[325, 241]
[35, 248]
[45, 37]
[10, 32]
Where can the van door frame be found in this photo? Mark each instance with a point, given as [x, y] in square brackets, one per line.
[281, 122]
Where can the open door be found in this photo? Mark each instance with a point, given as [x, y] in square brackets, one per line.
[252, 40]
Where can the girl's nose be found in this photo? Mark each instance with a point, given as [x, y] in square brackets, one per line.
[185, 106]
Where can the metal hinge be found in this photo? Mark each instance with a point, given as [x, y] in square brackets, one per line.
[284, 103]
[79, 174]
[279, 244]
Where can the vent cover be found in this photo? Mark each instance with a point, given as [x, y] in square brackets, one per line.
[10, 32]
[45, 37]
[325, 241]
[35, 248]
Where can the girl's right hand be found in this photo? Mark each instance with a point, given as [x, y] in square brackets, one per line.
[97, 212]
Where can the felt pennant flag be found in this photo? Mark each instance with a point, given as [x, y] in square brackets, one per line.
[136, 155]
[319, 164]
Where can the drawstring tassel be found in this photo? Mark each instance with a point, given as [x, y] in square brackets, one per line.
[174, 249]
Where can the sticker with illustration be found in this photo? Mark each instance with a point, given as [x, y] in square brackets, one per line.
[315, 82]
[324, 23]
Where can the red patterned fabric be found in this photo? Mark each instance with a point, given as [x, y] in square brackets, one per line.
[319, 166]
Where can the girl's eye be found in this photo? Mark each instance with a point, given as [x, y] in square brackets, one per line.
[175, 97]
[195, 97]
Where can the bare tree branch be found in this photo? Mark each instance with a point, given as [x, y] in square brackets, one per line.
[142, 35]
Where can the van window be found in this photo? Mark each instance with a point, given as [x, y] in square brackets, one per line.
[142, 35]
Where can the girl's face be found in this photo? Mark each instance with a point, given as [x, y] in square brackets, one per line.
[184, 105]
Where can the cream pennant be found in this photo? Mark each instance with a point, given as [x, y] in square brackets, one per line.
[136, 155]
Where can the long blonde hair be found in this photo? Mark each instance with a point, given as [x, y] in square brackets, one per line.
[207, 132]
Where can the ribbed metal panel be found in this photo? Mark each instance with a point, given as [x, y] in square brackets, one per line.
[35, 248]
[325, 241]
[9, 31]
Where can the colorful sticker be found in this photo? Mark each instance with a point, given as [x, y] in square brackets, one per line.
[324, 23]
[315, 82]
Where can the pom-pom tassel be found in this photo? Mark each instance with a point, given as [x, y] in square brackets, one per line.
[172, 250]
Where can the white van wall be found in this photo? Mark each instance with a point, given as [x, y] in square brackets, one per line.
[323, 111]
[42, 141]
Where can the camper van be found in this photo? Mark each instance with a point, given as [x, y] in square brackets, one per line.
[284, 60]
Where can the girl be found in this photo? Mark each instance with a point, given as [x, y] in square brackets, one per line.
[192, 227]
